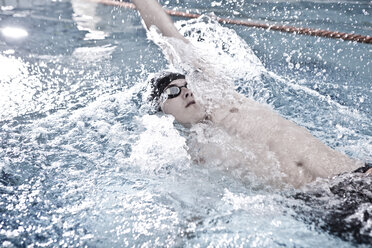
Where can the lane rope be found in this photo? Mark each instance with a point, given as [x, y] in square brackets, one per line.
[282, 28]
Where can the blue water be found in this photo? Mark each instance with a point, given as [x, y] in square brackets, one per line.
[82, 163]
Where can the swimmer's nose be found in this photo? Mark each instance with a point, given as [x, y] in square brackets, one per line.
[188, 93]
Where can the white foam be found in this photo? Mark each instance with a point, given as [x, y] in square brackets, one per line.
[214, 60]
[159, 145]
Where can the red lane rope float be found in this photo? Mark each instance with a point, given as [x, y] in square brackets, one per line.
[287, 29]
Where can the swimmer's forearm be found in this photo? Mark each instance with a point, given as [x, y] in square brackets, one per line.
[153, 14]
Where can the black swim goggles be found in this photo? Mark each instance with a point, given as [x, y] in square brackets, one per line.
[174, 91]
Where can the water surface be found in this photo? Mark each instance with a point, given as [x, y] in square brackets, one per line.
[83, 163]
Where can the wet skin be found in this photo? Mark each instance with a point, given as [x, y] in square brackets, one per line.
[302, 158]
[184, 108]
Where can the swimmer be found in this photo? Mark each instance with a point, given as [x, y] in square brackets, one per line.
[277, 144]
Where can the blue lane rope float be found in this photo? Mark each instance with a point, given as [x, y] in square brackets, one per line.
[282, 28]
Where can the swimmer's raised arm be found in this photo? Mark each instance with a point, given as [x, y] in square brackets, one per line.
[153, 15]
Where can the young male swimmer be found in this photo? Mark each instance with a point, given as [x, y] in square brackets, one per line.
[274, 142]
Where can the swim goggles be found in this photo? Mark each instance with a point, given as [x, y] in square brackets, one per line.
[174, 91]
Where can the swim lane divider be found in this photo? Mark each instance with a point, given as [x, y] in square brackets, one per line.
[287, 29]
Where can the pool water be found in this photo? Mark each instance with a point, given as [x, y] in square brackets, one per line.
[83, 163]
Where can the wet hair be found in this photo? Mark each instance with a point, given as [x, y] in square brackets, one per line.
[160, 82]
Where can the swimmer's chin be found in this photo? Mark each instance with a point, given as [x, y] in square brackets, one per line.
[197, 119]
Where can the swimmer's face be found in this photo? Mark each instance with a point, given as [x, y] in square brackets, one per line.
[183, 107]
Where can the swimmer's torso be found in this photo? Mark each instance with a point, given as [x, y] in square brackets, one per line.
[247, 137]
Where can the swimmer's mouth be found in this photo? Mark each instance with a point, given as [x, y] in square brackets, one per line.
[190, 103]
